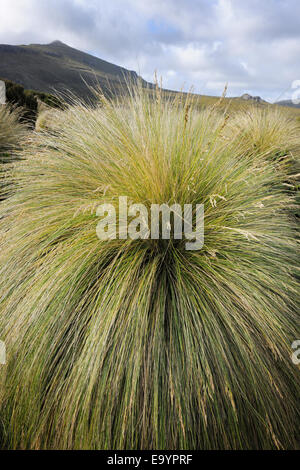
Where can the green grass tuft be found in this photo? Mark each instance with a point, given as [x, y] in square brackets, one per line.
[140, 344]
[266, 131]
[12, 131]
[12, 136]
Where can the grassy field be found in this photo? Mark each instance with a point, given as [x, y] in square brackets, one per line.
[234, 104]
[141, 344]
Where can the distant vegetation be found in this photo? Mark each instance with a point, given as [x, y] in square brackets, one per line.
[140, 344]
[27, 100]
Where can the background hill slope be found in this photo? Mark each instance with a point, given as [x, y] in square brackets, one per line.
[58, 67]
[288, 103]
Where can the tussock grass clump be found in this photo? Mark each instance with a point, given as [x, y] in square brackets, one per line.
[12, 135]
[266, 131]
[12, 131]
[45, 120]
[140, 343]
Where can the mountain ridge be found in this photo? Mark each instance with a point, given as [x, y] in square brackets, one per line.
[57, 67]
[288, 103]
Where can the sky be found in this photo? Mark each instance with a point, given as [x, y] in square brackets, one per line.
[252, 45]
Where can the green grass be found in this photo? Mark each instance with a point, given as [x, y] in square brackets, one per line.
[12, 137]
[234, 105]
[12, 132]
[140, 344]
[266, 130]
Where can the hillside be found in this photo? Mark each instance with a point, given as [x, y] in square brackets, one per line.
[288, 103]
[58, 67]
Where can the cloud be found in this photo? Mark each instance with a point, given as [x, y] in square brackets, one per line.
[252, 45]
